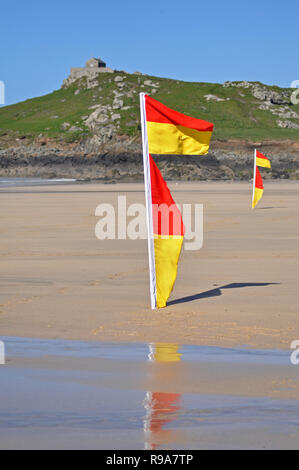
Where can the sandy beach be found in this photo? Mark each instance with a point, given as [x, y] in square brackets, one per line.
[59, 281]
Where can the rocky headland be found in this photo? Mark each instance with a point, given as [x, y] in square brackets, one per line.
[90, 129]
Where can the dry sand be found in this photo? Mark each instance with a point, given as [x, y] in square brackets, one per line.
[59, 281]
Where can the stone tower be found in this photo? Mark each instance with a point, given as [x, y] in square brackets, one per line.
[95, 63]
[92, 68]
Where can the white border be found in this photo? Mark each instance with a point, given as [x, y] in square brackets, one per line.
[2, 92]
[148, 201]
[2, 353]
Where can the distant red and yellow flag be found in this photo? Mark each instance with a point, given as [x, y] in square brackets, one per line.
[173, 133]
[261, 160]
[258, 187]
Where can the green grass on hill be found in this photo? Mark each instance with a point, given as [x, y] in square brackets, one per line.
[239, 117]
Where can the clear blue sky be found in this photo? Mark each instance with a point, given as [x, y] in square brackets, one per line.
[189, 40]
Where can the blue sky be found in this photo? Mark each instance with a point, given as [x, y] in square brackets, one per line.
[188, 40]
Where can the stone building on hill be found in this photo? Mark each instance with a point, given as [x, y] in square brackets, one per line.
[95, 63]
[92, 68]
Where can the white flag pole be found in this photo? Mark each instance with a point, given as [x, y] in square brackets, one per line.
[148, 201]
[254, 176]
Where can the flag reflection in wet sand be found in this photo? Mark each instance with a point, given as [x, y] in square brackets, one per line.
[161, 407]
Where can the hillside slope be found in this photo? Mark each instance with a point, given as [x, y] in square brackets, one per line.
[100, 116]
[238, 109]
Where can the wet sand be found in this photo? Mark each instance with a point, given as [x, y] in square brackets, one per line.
[58, 280]
[88, 395]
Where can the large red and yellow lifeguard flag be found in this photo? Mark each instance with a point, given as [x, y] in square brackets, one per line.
[168, 230]
[170, 132]
[165, 131]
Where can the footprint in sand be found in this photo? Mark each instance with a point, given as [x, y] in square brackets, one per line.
[97, 330]
[26, 300]
[94, 283]
[63, 290]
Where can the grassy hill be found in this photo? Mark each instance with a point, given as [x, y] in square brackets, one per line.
[234, 109]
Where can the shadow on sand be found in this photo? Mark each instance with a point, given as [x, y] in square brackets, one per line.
[216, 292]
[272, 207]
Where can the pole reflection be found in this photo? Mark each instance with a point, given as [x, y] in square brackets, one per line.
[161, 407]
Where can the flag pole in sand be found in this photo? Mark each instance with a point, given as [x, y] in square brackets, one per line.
[254, 177]
[148, 201]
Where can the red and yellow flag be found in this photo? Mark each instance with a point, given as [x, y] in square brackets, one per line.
[173, 133]
[261, 160]
[166, 132]
[168, 231]
[258, 187]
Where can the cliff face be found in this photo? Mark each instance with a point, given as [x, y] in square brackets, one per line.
[90, 128]
[121, 160]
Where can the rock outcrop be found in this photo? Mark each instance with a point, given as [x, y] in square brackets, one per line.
[262, 93]
[277, 103]
[121, 160]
